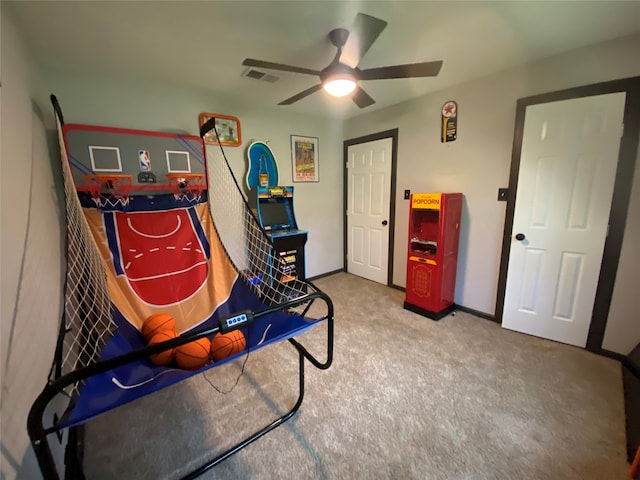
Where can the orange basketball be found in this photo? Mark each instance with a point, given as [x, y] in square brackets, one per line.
[226, 344]
[156, 323]
[193, 355]
[166, 357]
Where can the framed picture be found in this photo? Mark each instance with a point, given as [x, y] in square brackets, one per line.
[304, 157]
[228, 129]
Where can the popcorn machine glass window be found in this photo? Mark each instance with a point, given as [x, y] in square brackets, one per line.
[424, 232]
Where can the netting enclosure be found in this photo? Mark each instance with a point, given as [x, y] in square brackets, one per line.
[156, 225]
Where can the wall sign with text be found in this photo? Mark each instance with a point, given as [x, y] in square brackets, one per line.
[449, 122]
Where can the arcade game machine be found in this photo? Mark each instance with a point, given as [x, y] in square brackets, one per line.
[434, 231]
[275, 213]
[273, 206]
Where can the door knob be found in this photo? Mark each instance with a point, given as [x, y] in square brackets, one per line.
[520, 236]
[384, 222]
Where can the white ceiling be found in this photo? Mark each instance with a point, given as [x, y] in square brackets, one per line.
[202, 44]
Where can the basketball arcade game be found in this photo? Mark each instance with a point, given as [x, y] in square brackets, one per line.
[142, 243]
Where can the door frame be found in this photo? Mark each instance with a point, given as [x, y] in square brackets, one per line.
[619, 202]
[393, 134]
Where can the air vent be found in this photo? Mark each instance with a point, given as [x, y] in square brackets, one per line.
[254, 74]
[270, 78]
[258, 75]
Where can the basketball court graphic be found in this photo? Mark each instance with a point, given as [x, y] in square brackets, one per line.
[160, 261]
[144, 197]
[163, 255]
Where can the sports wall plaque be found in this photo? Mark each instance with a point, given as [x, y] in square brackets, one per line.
[449, 122]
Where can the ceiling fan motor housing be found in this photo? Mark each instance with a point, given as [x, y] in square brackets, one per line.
[337, 68]
[338, 36]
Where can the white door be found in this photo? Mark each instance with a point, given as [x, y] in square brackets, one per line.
[565, 184]
[369, 197]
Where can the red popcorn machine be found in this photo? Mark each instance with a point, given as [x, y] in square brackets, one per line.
[432, 257]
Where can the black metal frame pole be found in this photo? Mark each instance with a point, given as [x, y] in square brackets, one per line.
[252, 438]
[302, 354]
[37, 432]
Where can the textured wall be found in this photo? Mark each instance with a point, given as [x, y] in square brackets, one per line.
[32, 257]
[623, 326]
[478, 163]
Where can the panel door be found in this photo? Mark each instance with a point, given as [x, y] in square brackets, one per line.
[565, 185]
[369, 197]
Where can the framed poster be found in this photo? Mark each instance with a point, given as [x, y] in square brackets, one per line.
[228, 129]
[304, 158]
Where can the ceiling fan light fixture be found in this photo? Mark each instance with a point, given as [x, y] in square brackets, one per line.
[341, 77]
[339, 85]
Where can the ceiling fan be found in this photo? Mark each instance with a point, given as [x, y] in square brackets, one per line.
[342, 75]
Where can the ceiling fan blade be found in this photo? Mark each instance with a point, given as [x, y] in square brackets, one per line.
[362, 98]
[250, 62]
[362, 35]
[409, 70]
[301, 95]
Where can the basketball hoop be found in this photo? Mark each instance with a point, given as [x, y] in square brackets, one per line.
[109, 190]
[187, 186]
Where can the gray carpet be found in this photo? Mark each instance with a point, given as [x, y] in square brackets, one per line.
[406, 398]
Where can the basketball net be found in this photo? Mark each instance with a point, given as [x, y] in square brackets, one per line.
[187, 186]
[109, 190]
[247, 245]
[87, 321]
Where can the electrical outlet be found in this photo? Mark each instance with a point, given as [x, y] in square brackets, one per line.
[407, 194]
